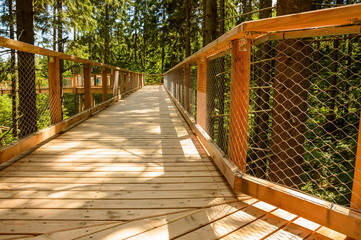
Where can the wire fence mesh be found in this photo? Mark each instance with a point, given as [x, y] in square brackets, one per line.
[27, 96]
[284, 110]
[305, 98]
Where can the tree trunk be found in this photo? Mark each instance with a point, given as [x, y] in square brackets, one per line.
[188, 8]
[144, 45]
[60, 25]
[210, 35]
[245, 7]
[60, 48]
[290, 103]
[106, 32]
[90, 46]
[26, 68]
[333, 91]
[221, 85]
[258, 165]
[136, 47]
[163, 37]
[12, 69]
[54, 26]
[204, 22]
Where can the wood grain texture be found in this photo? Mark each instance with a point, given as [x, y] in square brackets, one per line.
[134, 171]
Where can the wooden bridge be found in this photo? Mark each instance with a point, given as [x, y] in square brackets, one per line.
[164, 162]
[134, 171]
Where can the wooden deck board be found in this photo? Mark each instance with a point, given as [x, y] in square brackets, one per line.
[134, 171]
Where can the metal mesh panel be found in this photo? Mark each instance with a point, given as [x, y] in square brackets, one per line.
[25, 106]
[286, 111]
[304, 114]
[193, 91]
[218, 99]
[30, 96]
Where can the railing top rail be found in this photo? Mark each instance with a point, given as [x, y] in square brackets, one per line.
[25, 47]
[332, 17]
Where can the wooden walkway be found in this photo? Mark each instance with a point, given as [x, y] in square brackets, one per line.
[134, 171]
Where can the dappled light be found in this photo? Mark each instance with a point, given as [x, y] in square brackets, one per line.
[147, 178]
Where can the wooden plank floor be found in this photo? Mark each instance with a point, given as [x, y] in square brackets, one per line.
[134, 171]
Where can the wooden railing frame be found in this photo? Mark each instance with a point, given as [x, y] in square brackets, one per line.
[322, 212]
[57, 125]
[325, 22]
[325, 18]
[160, 76]
[15, 149]
[25, 47]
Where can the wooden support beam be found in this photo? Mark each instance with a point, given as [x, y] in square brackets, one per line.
[160, 79]
[356, 187]
[54, 90]
[201, 91]
[187, 87]
[104, 84]
[87, 86]
[240, 77]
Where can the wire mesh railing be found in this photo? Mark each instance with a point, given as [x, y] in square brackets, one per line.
[283, 110]
[40, 90]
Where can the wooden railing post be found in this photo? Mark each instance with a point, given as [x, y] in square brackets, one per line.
[187, 87]
[201, 91]
[54, 89]
[356, 187]
[87, 86]
[111, 78]
[73, 83]
[160, 79]
[240, 78]
[181, 82]
[104, 84]
[122, 82]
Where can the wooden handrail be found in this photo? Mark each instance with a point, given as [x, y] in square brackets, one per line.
[25, 47]
[339, 16]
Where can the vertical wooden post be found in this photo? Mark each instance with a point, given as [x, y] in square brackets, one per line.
[180, 88]
[73, 83]
[54, 89]
[356, 187]
[81, 103]
[240, 77]
[92, 100]
[104, 84]
[112, 77]
[160, 79]
[87, 86]
[201, 91]
[122, 80]
[187, 87]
